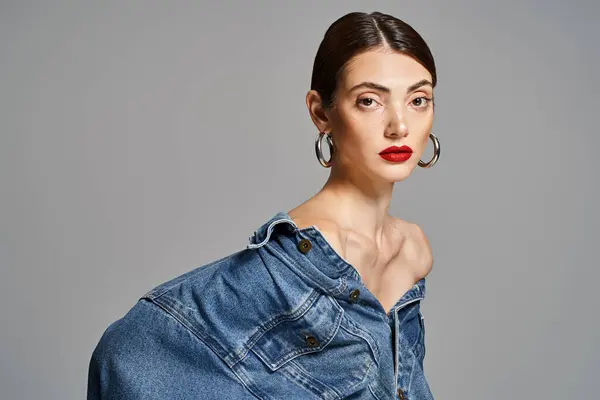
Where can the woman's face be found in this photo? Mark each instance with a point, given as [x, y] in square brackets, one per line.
[383, 99]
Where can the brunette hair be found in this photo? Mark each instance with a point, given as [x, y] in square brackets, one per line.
[358, 32]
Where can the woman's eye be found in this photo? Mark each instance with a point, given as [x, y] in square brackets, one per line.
[367, 101]
[422, 102]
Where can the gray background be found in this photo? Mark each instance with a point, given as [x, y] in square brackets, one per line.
[139, 140]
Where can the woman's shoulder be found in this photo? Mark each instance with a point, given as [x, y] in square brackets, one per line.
[225, 302]
[194, 276]
[203, 303]
[167, 298]
[415, 244]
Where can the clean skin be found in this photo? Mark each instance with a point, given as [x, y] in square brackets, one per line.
[384, 98]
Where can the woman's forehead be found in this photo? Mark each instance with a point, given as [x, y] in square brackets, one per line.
[391, 69]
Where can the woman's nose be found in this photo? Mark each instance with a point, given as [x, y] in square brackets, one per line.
[397, 126]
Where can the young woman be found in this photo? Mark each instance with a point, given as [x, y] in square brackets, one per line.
[324, 302]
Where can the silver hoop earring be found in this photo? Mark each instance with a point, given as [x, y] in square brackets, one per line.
[322, 160]
[436, 152]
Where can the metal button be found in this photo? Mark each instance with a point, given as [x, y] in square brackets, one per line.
[304, 245]
[354, 295]
[401, 394]
[312, 341]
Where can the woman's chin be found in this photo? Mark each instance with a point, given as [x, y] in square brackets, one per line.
[397, 175]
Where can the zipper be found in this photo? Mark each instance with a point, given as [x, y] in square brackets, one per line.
[396, 328]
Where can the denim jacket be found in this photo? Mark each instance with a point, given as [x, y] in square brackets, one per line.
[284, 318]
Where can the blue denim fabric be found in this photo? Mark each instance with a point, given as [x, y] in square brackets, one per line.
[280, 319]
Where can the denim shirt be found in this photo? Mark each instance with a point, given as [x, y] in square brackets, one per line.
[284, 318]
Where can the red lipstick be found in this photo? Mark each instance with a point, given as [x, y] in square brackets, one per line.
[396, 154]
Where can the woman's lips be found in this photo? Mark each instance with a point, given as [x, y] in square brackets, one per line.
[396, 154]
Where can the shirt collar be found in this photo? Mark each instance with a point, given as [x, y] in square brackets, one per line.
[263, 233]
[335, 264]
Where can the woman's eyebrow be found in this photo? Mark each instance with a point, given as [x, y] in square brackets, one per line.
[377, 86]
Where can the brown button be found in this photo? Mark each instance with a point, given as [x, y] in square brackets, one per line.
[304, 245]
[354, 295]
[401, 394]
[312, 341]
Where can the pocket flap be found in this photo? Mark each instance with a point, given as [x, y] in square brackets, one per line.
[309, 329]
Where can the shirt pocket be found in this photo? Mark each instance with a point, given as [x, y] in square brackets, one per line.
[319, 349]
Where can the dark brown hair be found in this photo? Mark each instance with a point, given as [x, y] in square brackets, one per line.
[358, 32]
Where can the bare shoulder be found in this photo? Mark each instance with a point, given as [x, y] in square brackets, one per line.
[423, 241]
[415, 246]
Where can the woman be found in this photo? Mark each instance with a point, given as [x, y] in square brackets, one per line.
[323, 303]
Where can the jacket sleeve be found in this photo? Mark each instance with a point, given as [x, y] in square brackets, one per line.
[148, 354]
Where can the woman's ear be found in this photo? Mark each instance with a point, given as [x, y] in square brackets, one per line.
[317, 113]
